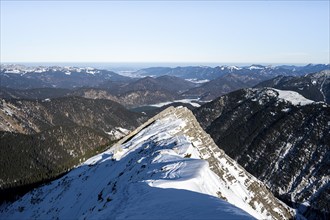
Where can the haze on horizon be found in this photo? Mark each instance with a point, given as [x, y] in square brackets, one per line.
[165, 32]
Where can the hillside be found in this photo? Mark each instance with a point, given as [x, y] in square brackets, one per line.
[315, 86]
[140, 92]
[31, 116]
[38, 93]
[223, 85]
[41, 139]
[280, 137]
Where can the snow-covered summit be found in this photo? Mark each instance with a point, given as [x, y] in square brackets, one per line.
[168, 168]
[256, 67]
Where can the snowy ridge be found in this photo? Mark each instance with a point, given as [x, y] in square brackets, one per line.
[169, 168]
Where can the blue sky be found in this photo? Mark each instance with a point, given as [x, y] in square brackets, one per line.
[165, 31]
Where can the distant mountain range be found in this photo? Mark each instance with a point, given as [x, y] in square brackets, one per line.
[22, 77]
[209, 73]
[167, 84]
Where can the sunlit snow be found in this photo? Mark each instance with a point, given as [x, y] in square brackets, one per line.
[294, 97]
[187, 101]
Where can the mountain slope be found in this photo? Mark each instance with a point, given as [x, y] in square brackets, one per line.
[31, 116]
[149, 90]
[315, 86]
[40, 93]
[41, 139]
[281, 138]
[223, 85]
[173, 83]
[166, 169]
[29, 159]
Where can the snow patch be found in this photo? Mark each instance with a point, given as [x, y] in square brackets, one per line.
[198, 81]
[293, 97]
[119, 132]
[255, 68]
[187, 101]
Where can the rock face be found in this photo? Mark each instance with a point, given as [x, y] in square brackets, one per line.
[281, 138]
[315, 86]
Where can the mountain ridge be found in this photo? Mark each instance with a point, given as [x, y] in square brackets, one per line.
[166, 152]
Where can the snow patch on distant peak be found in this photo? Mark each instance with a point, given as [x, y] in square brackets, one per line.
[234, 68]
[197, 81]
[255, 67]
[231, 68]
[293, 97]
[14, 71]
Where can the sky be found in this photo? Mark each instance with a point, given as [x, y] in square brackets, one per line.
[291, 32]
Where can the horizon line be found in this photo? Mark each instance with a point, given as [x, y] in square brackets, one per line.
[159, 62]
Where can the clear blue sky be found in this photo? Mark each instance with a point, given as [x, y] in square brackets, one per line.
[167, 31]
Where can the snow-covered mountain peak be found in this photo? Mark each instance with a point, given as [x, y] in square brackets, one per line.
[230, 68]
[255, 67]
[168, 168]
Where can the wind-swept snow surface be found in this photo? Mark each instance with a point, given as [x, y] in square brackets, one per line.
[156, 173]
